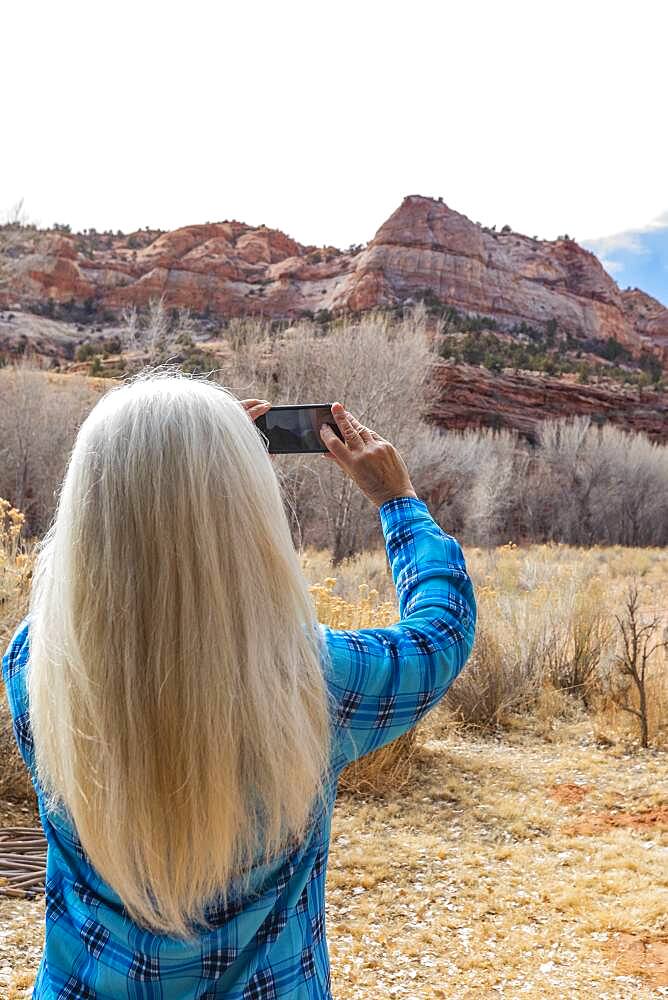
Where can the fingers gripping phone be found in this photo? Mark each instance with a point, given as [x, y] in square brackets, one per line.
[295, 430]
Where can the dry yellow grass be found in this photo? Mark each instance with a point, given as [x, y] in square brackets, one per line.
[534, 603]
[472, 886]
[15, 573]
[467, 883]
[508, 568]
[516, 864]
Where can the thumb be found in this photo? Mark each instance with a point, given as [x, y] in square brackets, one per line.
[333, 443]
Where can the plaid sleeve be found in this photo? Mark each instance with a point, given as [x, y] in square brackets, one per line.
[13, 674]
[383, 680]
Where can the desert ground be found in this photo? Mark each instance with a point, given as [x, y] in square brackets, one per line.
[525, 865]
[513, 849]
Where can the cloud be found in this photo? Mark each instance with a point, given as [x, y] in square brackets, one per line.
[630, 240]
[637, 258]
[612, 266]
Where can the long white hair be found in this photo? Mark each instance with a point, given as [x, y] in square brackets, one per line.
[178, 704]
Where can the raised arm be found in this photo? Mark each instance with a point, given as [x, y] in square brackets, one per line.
[384, 680]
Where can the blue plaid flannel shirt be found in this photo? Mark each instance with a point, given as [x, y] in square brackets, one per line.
[272, 943]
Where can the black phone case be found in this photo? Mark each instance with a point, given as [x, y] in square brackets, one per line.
[262, 426]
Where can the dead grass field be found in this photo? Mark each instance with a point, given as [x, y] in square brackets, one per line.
[526, 860]
[513, 866]
[477, 882]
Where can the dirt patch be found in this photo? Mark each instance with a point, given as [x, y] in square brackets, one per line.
[636, 955]
[18, 814]
[568, 794]
[643, 819]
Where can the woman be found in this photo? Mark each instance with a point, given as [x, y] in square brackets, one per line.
[183, 716]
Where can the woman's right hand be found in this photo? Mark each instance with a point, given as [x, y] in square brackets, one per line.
[371, 461]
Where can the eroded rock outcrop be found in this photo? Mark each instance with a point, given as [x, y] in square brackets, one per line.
[471, 396]
[230, 268]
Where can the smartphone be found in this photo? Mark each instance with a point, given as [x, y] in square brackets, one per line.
[295, 430]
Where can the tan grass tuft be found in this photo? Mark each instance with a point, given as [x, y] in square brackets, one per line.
[15, 573]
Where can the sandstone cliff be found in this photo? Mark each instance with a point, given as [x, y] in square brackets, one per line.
[230, 268]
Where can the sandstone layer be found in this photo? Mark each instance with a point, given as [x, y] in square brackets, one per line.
[471, 396]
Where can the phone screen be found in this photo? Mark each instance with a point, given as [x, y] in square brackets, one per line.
[296, 429]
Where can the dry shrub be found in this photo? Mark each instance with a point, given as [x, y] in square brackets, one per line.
[582, 637]
[657, 697]
[366, 612]
[386, 770]
[485, 692]
[391, 767]
[554, 703]
[15, 573]
[611, 724]
[507, 667]
[614, 690]
[15, 569]
[547, 619]
[546, 629]
[40, 413]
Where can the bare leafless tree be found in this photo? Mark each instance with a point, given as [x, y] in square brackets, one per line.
[157, 333]
[34, 446]
[130, 329]
[578, 483]
[378, 369]
[592, 484]
[640, 641]
[15, 230]
[16, 216]
[156, 330]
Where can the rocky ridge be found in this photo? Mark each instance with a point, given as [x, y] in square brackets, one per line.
[424, 250]
[231, 269]
[471, 396]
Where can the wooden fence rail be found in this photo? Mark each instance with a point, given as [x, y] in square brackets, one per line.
[22, 861]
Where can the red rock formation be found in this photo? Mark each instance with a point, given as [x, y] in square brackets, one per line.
[647, 316]
[472, 396]
[504, 275]
[229, 268]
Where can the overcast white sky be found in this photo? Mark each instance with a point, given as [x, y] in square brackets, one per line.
[318, 118]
